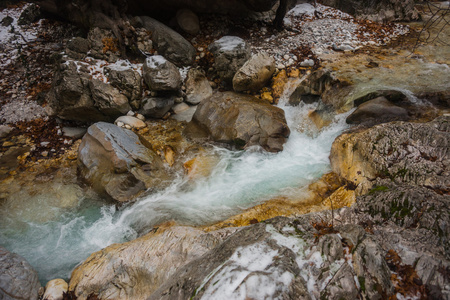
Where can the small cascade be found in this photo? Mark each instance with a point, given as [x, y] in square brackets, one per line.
[239, 180]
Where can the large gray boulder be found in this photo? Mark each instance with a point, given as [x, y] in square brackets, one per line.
[378, 110]
[70, 96]
[413, 153]
[230, 54]
[197, 87]
[161, 75]
[18, 279]
[169, 43]
[241, 121]
[118, 163]
[254, 74]
[284, 259]
[135, 269]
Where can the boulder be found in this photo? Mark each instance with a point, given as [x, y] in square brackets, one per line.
[254, 74]
[230, 54]
[378, 110]
[70, 96]
[169, 43]
[126, 80]
[161, 75]
[413, 153]
[197, 87]
[55, 289]
[18, 279]
[157, 107]
[108, 99]
[282, 258]
[135, 269]
[29, 15]
[118, 163]
[241, 121]
[188, 21]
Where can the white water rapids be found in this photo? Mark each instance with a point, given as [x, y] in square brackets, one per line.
[240, 180]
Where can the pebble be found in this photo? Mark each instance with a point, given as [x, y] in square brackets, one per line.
[307, 63]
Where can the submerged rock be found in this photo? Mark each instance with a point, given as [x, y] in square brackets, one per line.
[241, 121]
[118, 163]
[18, 279]
[135, 269]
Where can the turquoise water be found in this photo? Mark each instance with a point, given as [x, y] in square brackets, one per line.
[241, 179]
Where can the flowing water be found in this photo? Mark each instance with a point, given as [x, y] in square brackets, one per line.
[241, 179]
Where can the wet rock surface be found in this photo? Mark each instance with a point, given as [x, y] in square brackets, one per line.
[413, 153]
[118, 163]
[135, 269]
[241, 121]
[378, 110]
[18, 278]
[368, 252]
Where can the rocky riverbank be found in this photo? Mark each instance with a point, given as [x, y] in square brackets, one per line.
[119, 113]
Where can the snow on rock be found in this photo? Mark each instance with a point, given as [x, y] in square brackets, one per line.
[96, 67]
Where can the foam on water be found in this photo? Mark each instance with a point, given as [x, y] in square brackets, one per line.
[240, 180]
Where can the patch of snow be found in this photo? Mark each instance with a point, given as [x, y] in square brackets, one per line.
[230, 43]
[97, 67]
[155, 61]
[248, 273]
[183, 72]
[302, 9]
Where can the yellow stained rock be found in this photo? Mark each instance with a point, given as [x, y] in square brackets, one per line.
[278, 83]
[295, 73]
[310, 201]
[318, 120]
[267, 96]
[169, 155]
